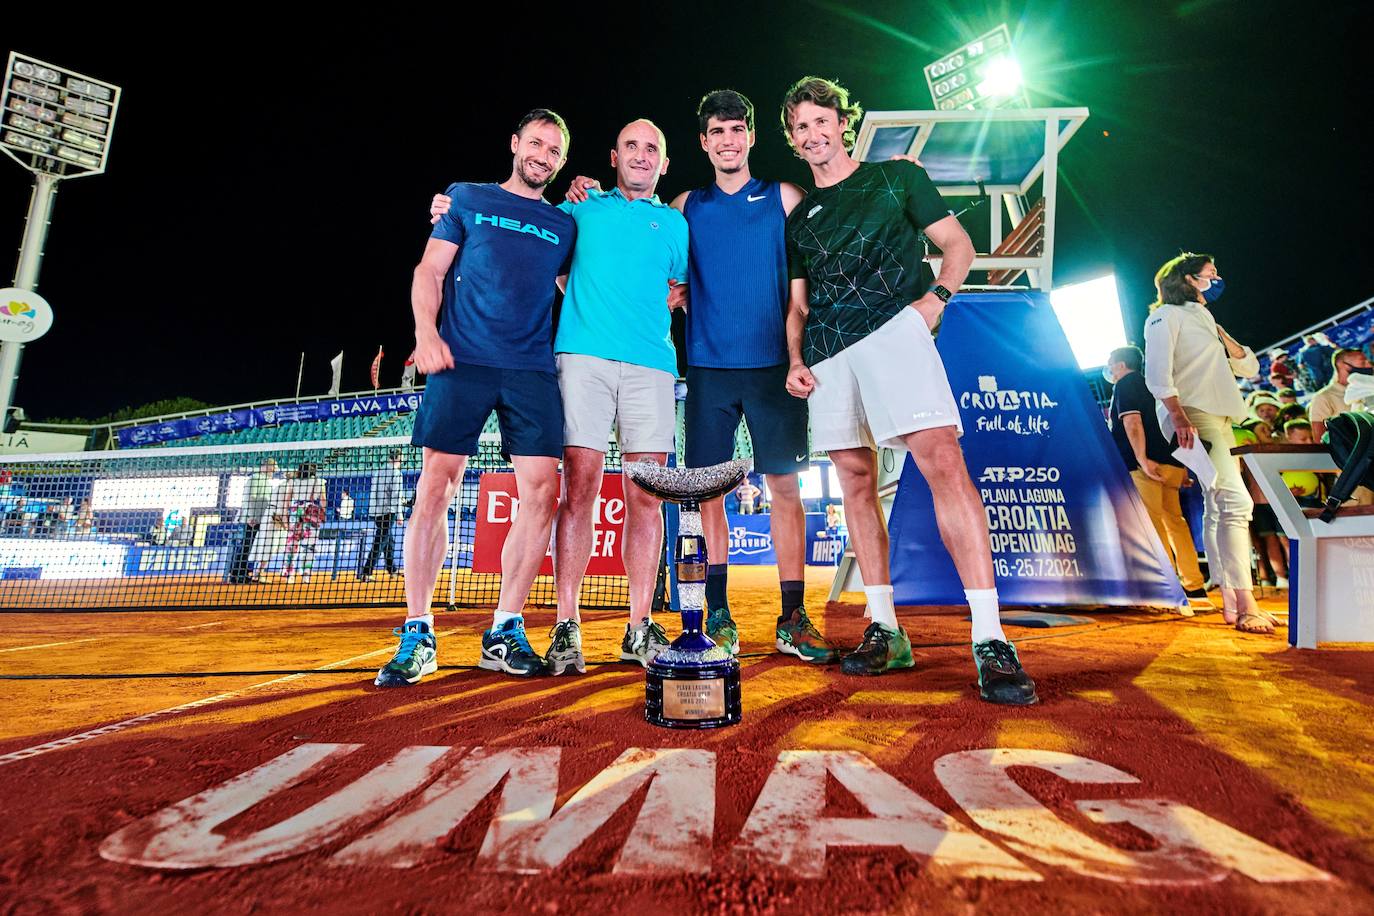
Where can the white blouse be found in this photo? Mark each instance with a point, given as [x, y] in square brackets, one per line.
[1185, 358]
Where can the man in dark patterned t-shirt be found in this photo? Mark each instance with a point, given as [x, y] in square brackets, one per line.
[861, 352]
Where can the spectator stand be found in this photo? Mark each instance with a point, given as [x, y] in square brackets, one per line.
[1352, 329]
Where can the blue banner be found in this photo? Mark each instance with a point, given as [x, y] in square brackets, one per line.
[172, 561]
[751, 541]
[247, 418]
[1066, 522]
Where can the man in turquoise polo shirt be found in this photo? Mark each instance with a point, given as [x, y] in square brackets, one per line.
[616, 368]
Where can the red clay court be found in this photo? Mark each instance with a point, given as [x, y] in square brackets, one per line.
[243, 761]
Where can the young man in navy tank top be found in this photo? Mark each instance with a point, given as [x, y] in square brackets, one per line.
[737, 361]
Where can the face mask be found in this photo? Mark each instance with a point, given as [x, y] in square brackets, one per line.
[1358, 371]
[1107, 374]
[1213, 292]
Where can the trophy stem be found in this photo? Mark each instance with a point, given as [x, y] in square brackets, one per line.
[690, 556]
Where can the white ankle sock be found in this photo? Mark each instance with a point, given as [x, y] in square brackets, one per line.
[987, 619]
[880, 607]
[427, 620]
[500, 617]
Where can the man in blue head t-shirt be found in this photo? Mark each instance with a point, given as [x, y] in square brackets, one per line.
[616, 368]
[491, 263]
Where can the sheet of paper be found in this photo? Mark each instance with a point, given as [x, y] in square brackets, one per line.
[1197, 460]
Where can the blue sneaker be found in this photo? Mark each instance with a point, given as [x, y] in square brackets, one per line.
[506, 648]
[1001, 679]
[416, 656]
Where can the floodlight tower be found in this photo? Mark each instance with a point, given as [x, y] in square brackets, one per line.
[982, 74]
[57, 124]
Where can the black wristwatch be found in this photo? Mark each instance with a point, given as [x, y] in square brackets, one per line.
[941, 293]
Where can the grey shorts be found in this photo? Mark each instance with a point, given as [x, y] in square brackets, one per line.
[601, 394]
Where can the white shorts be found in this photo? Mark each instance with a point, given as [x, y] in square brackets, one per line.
[887, 385]
[599, 394]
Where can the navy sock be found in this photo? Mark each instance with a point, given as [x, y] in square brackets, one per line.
[716, 591]
[793, 596]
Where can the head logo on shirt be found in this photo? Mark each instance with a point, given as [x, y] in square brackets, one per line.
[514, 225]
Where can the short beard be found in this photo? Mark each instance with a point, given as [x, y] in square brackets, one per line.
[732, 170]
[531, 181]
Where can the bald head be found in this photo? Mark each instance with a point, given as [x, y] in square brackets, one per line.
[640, 158]
[645, 129]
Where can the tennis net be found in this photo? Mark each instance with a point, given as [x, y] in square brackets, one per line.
[299, 524]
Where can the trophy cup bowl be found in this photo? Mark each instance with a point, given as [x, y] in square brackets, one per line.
[693, 683]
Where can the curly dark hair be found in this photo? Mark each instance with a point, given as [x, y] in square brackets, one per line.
[725, 105]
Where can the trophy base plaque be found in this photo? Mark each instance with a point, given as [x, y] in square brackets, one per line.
[692, 686]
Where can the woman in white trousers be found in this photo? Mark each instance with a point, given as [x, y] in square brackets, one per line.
[1191, 367]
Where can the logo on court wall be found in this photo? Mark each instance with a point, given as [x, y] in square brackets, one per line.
[747, 543]
[498, 503]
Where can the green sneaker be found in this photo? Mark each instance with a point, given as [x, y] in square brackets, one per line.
[799, 637]
[1001, 679]
[720, 626]
[882, 650]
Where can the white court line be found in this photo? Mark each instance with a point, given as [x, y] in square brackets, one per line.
[48, 645]
[70, 740]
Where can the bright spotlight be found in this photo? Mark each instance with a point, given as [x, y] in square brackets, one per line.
[1001, 77]
[1090, 314]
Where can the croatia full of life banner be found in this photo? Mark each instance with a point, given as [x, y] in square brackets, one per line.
[1066, 521]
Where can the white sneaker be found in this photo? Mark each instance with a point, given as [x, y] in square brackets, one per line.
[643, 643]
[565, 648]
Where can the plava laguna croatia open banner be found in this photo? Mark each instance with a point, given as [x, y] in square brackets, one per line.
[1066, 521]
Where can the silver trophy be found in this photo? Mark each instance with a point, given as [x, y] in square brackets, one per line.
[693, 683]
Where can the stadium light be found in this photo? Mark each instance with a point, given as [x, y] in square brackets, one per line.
[982, 74]
[57, 124]
[1001, 77]
[1090, 314]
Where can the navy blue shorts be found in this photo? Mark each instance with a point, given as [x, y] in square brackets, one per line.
[717, 398]
[458, 401]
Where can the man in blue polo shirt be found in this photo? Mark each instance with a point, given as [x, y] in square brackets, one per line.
[492, 263]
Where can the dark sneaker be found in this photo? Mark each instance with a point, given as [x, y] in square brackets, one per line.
[882, 650]
[506, 648]
[565, 648]
[643, 643]
[1001, 678]
[799, 637]
[416, 656]
[720, 626]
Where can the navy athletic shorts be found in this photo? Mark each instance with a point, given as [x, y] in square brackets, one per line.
[458, 401]
[717, 398]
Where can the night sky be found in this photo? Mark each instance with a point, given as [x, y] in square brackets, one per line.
[267, 188]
